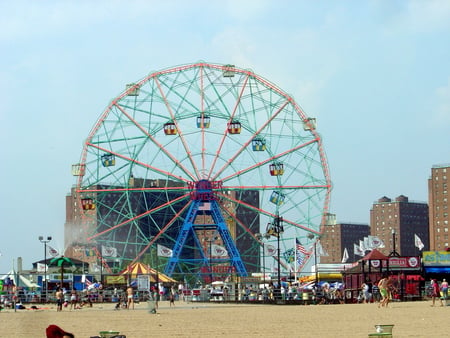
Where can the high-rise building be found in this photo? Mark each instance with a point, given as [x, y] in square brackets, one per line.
[439, 203]
[340, 236]
[396, 222]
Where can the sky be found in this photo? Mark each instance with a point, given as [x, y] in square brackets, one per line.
[375, 74]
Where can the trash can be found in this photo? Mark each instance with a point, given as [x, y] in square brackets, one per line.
[108, 334]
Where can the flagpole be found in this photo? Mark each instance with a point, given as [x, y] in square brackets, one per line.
[295, 260]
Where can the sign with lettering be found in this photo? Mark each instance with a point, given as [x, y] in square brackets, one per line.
[436, 258]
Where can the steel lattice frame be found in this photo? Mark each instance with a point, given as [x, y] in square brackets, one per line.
[142, 194]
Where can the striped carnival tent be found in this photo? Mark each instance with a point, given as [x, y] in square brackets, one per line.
[135, 269]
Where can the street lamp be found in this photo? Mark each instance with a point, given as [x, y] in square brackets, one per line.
[394, 253]
[260, 238]
[45, 241]
[276, 230]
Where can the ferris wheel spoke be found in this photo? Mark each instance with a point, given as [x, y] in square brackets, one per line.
[162, 231]
[247, 143]
[159, 145]
[115, 227]
[172, 115]
[225, 133]
[142, 164]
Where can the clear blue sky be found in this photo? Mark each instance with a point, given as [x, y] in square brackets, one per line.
[375, 74]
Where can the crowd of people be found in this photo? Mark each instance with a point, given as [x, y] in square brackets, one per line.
[386, 289]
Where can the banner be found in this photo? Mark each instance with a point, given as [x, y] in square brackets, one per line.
[269, 250]
[163, 251]
[109, 251]
[218, 251]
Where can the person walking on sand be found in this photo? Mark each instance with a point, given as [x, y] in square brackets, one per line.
[435, 292]
[130, 296]
[444, 290]
[383, 286]
[172, 297]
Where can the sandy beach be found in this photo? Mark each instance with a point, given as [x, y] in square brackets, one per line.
[411, 319]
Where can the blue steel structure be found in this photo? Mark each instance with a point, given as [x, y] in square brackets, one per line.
[203, 192]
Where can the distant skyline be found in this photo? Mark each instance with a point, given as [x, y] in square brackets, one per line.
[375, 74]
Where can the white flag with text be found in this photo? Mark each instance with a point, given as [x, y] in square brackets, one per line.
[418, 242]
[164, 251]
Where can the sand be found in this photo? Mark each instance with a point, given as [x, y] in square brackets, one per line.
[411, 319]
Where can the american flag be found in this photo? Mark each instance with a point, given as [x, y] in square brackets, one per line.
[300, 247]
[301, 252]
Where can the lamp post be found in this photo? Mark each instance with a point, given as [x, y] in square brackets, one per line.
[393, 253]
[44, 283]
[260, 238]
[278, 230]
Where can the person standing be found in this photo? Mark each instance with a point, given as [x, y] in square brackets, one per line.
[59, 299]
[130, 297]
[172, 297]
[366, 293]
[444, 289]
[435, 292]
[73, 299]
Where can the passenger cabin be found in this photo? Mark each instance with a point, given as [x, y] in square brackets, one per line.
[228, 71]
[78, 169]
[258, 144]
[132, 89]
[170, 128]
[309, 124]
[234, 127]
[203, 121]
[276, 169]
[108, 160]
[87, 204]
[277, 198]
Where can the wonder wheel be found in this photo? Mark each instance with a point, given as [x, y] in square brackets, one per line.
[187, 167]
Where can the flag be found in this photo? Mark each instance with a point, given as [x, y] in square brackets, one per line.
[345, 256]
[367, 244]
[300, 253]
[269, 250]
[218, 251]
[362, 247]
[109, 251]
[357, 250]
[163, 251]
[418, 242]
[375, 242]
[41, 267]
[52, 251]
[300, 247]
[289, 255]
[320, 250]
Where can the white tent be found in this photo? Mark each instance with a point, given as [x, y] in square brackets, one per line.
[22, 280]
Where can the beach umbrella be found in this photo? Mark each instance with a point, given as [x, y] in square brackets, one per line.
[61, 261]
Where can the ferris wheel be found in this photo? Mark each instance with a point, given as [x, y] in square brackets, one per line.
[201, 159]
